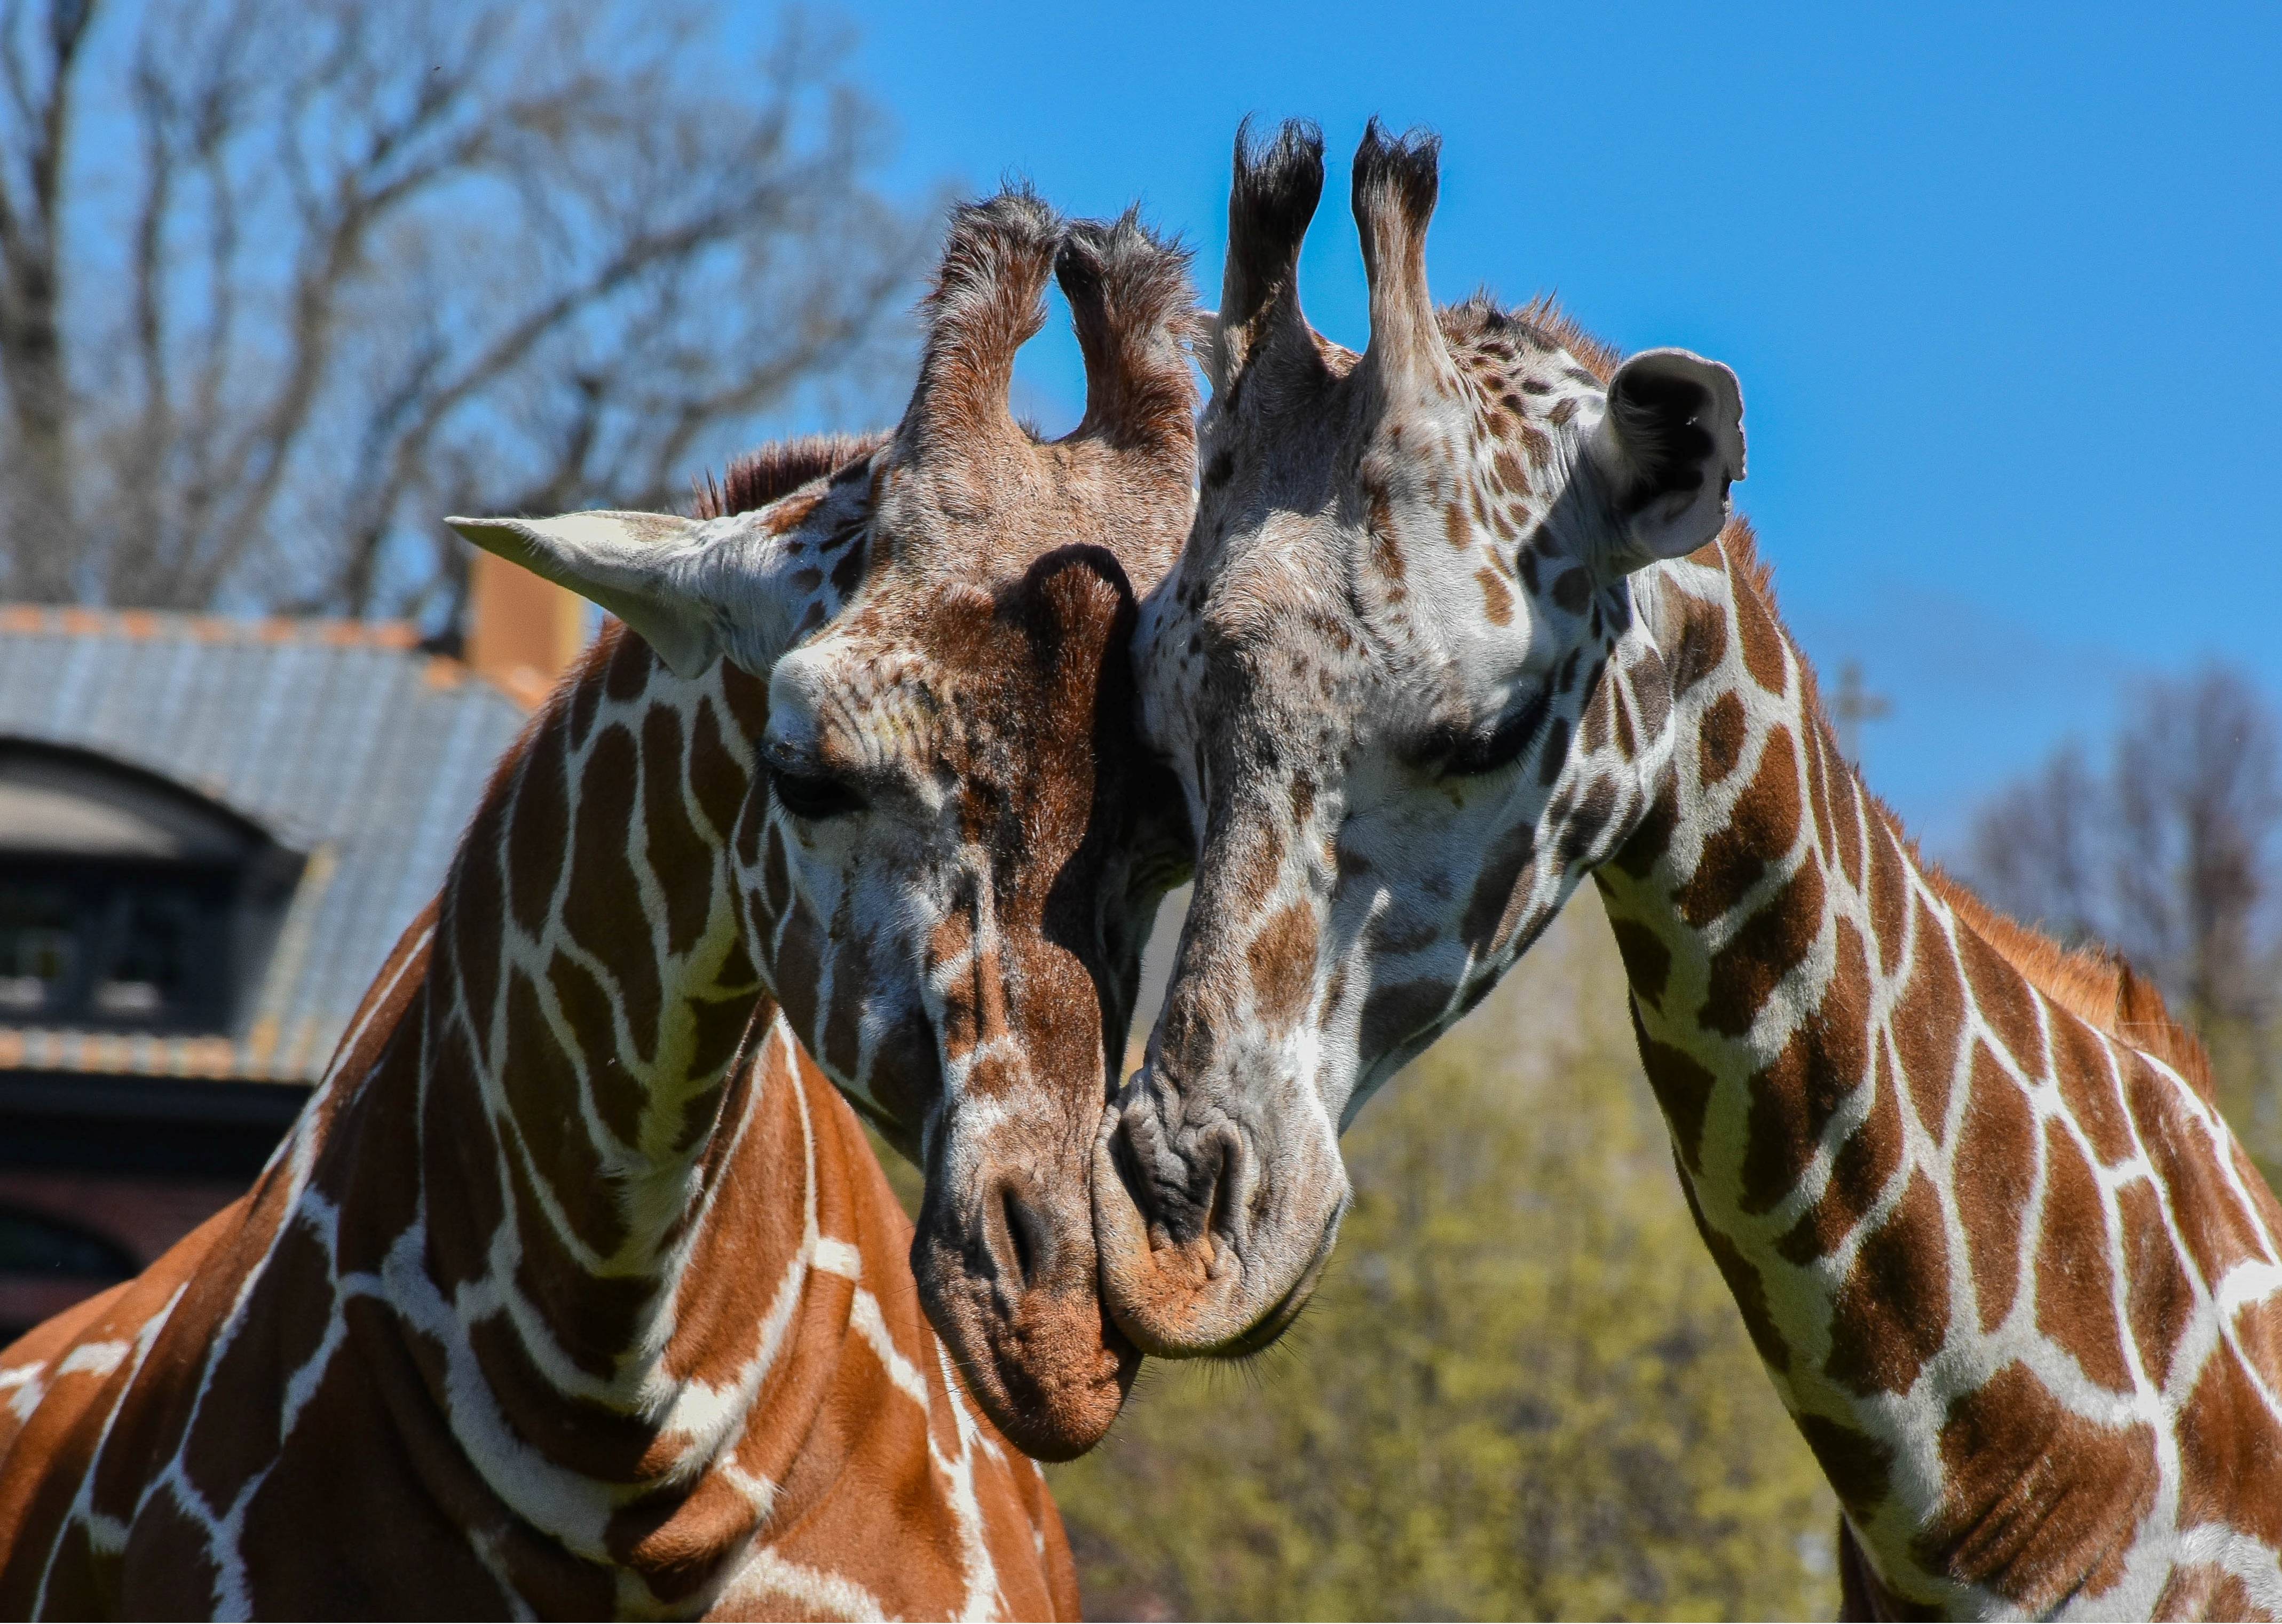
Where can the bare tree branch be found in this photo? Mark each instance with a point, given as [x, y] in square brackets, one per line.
[382, 264]
[2169, 856]
[34, 371]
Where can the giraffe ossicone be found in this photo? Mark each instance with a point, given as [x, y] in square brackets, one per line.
[1464, 621]
[576, 1291]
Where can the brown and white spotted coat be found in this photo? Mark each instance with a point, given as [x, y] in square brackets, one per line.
[574, 1293]
[1464, 620]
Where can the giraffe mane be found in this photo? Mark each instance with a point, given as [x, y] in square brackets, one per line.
[770, 472]
[1471, 321]
[2097, 984]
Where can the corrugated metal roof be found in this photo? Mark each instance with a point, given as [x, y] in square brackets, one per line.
[341, 739]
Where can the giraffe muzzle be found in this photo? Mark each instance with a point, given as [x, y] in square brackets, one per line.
[1010, 1279]
[1210, 1243]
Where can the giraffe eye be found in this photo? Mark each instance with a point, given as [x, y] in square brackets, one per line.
[813, 796]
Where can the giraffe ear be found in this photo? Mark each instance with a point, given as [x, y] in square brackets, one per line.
[1668, 446]
[646, 568]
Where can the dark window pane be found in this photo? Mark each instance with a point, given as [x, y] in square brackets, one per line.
[112, 944]
[39, 946]
[148, 970]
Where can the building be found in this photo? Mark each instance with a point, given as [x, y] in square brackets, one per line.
[212, 831]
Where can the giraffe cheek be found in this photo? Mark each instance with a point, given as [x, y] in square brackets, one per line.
[795, 968]
[1282, 960]
[1493, 906]
[904, 1078]
[1394, 1015]
[839, 1045]
[776, 879]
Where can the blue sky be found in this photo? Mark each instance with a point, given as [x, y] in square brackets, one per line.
[2004, 291]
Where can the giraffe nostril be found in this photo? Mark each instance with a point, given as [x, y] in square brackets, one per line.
[1017, 1236]
[1238, 1198]
[1189, 1190]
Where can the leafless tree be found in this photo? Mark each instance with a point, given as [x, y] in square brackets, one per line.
[281, 281]
[2033, 848]
[2169, 856]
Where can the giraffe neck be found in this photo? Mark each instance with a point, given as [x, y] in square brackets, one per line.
[586, 999]
[584, 1171]
[1930, 1175]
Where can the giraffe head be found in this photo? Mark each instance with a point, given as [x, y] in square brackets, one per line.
[953, 845]
[1401, 672]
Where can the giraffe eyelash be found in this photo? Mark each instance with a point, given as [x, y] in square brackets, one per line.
[1504, 746]
[813, 797]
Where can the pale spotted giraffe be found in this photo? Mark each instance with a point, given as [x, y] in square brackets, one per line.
[573, 1294]
[1463, 620]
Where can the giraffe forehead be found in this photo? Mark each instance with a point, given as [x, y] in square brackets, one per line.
[961, 679]
[1422, 506]
[1002, 513]
[1459, 510]
[1283, 567]
[1407, 583]
[1500, 438]
[1273, 660]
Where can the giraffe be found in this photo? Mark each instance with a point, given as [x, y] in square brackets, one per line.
[1467, 618]
[575, 1291]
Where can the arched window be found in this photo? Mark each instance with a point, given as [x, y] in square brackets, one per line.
[125, 900]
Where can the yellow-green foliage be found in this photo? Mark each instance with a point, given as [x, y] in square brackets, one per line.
[2246, 1059]
[1523, 1391]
